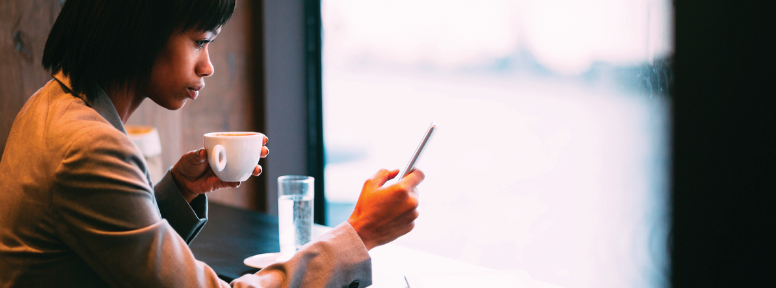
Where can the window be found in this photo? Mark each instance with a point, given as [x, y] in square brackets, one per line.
[552, 149]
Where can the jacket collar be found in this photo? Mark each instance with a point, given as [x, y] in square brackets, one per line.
[97, 99]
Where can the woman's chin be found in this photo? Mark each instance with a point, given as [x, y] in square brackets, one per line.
[177, 105]
[171, 104]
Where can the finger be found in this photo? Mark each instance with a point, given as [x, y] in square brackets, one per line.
[257, 170]
[195, 157]
[216, 183]
[409, 216]
[414, 178]
[381, 177]
[413, 193]
[408, 228]
[264, 151]
[202, 155]
[403, 229]
[225, 184]
[265, 140]
[212, 182]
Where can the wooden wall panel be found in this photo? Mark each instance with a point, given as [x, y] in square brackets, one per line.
[227, 103]
[24, 27]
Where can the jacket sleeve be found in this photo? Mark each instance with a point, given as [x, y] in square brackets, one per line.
[336, 259]
[186, 218]
[106, 214]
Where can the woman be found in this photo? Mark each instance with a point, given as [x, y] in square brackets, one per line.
[77, 207]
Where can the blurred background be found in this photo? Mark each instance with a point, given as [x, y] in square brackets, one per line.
[552, 154]
[559, 135]
[552, 149]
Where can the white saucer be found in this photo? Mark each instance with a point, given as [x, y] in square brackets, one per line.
[263, 260]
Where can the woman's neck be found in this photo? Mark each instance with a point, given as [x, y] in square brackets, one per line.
[125, 100]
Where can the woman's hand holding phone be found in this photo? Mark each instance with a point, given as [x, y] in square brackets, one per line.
[383, 214]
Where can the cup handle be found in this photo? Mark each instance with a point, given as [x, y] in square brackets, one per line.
[218, 158]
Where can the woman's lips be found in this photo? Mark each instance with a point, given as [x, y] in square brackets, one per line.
[194, 91]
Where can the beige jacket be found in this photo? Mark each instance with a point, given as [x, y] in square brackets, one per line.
[77, 209]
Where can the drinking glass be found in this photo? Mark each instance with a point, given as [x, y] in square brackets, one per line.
[295, 212]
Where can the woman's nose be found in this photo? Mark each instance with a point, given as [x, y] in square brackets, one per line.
[204, 67]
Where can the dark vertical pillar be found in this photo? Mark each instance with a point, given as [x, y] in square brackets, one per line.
[258, 86]
[724, 134]
[313, 61]
[292, 95]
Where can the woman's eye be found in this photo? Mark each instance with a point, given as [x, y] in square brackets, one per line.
[201, 43]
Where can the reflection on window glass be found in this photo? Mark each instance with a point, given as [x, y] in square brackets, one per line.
[551, 155]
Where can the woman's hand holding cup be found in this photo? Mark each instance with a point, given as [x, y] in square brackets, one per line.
[194, 174]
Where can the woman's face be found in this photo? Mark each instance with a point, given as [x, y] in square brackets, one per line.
[180, 70]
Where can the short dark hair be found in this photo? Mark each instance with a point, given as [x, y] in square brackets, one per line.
[116, 42]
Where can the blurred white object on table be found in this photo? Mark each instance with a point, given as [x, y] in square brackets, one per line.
[146, 138]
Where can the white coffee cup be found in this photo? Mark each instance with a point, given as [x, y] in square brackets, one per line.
[233, 155]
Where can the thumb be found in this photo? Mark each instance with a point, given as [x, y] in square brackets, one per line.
[381, 177]
[196, 157]
[190, 164]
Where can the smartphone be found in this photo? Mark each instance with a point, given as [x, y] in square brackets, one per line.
[419, 150]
